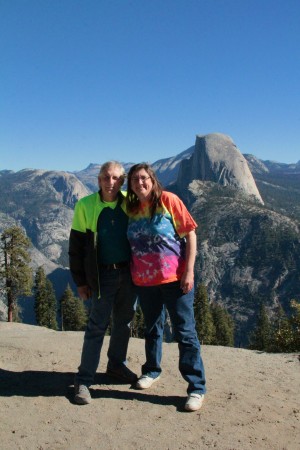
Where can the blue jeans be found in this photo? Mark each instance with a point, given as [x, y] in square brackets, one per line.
[118, 299]
[181, 311]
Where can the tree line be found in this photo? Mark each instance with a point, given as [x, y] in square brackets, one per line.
[17, 280]
[278, 334]
[214, 324]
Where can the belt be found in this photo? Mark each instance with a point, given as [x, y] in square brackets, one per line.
[120, 265]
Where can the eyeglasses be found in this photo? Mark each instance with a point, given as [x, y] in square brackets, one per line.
[143, 178]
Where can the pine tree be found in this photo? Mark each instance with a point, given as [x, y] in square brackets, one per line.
[45, 301]
[73, 312]
[51, 321]
[204, 321]
[295, 323]
[137, 324]
[224, 326]
[282, 333]
[260, 338]
[40, 298]
[15, 273]
[168, 334]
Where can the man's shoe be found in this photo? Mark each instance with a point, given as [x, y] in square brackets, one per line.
[145, 382]
[122, 373]
[82, 394]
[194, 402]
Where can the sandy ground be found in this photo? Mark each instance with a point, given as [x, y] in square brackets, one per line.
[253, 399]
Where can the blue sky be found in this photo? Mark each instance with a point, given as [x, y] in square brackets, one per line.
[85, 81]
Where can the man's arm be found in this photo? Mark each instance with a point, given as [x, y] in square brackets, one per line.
[76, 257]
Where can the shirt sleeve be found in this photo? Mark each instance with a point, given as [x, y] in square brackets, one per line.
[79, 219]
[182, 219]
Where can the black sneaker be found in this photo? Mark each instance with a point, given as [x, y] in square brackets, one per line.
[82, 394]
[122, 373]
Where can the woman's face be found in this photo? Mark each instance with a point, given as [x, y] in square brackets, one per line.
[141, 184]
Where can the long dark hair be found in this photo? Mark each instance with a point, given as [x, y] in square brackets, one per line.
[132, 201]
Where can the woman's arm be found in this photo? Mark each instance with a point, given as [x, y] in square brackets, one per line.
[187, 279]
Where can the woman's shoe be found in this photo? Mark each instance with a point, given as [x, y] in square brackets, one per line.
[194, 402]
[145, 382]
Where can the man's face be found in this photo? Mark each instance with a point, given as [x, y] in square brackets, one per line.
[110, 182]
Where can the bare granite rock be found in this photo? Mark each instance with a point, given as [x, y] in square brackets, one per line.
[216, 158]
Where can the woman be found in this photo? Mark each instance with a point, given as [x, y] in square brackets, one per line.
[162, 237]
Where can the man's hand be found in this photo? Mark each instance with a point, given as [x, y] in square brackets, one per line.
[84, 292]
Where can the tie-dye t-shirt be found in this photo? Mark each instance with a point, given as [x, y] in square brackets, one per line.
[158, 245]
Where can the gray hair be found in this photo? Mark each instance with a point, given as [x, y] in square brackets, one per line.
[109, 164]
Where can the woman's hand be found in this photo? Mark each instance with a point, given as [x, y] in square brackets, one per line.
[187, 281]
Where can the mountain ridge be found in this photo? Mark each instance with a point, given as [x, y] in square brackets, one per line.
[231, 221]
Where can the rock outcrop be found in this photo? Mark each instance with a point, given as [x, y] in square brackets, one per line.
[216, 158]
[41, 202]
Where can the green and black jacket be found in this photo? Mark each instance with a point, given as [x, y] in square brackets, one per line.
[83, 240]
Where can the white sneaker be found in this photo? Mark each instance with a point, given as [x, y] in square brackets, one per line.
[194, 402]
[144, 382]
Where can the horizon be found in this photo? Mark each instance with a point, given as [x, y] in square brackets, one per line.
[93, 81]
[128, 162]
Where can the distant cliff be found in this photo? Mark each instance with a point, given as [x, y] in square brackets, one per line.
[41, 202]
[216, 158]
[246, 253]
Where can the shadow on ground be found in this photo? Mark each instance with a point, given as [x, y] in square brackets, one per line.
[33, 383]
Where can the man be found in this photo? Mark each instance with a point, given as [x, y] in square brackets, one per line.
[99, 262]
